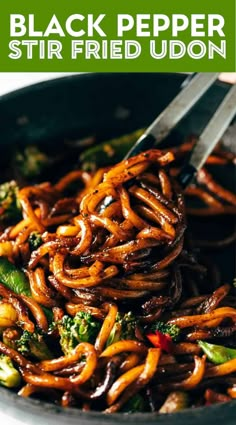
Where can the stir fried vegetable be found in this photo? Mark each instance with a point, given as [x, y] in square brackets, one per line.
[31, 162]
[9, 376]
[162, 335]
[81, 328]
[8, 315]
[166, 329]
[217, 354]
[124, 328]
[108, 152]
[33, 344]
[6, 249]
[160, 340]
[177, 400]
[35, 240]
[10, 209]
[135, 404]
[13, 278]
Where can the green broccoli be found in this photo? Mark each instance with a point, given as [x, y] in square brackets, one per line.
[35, 240]
[108, 152]
[80, 328]
[166, 328]
[9, 376]
[31, 162]
[10, 208]
[134, 404]
[124, 328]
[33, 344]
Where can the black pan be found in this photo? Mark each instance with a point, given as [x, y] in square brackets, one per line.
[104, 105]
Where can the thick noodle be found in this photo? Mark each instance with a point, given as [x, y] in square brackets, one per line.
[119, 244]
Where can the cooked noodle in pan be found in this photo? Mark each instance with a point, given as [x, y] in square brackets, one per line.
[105, 303]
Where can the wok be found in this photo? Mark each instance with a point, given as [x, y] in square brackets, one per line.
[105, 105]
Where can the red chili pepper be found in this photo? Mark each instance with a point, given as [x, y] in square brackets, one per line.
[160, 340]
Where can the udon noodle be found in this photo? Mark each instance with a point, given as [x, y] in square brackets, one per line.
[118, 244]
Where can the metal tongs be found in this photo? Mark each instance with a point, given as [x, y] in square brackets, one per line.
[176, 110]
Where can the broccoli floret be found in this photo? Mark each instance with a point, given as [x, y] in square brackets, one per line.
[33, 344]
[124, 328]
[80, 328]
[166, 328]
[31, 162]
[35, 240]
[134, 404]
[9, 376]
[10, 208]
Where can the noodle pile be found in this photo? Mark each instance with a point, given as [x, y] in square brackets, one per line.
[118, 244]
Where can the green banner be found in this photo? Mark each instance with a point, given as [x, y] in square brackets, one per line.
[117, 35]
